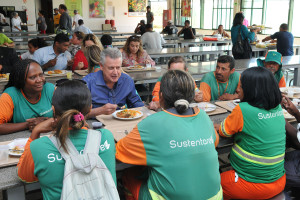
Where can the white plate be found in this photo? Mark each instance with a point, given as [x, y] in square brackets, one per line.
[134, 68]
[136, 117]
[21, 142]
[294, 90]
[207, 107]
[63, 73]
[236, 101]
[287, 115]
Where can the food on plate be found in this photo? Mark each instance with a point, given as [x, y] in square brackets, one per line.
[127, 113]
[2, 75]
[17, 150]
[57, 71]
[137, 67]
[261, 45]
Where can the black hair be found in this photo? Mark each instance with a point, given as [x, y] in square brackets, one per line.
[177, 59]
[187, 21]
[227, 59]
[148, 7]
[42, 12]
[38, 42]
[79, 35]
[176, 85]
[238, 19]
[60, 38]
[19, 74]
[220, 25]
[106, 40]
[70, 98]
[148, 26]
[284, 27]
[80, 22]
[63, 6]
[260, 88]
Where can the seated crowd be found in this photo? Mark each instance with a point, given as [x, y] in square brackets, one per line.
[173, 150]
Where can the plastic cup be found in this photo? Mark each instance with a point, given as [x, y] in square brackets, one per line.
[69, 75]
[148, 66]
[158, 69]
[4, 153]
[97, 125]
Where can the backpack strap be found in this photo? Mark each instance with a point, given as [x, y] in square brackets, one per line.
[92, 144]
[71, 148]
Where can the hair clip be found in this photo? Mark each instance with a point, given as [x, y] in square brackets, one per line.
[78, 117]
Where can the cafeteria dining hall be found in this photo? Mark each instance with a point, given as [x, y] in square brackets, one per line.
[149, 99]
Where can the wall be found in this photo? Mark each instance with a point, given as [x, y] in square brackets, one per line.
[30, 5]
[122, 22]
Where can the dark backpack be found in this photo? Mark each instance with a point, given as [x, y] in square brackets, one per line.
[242, 48]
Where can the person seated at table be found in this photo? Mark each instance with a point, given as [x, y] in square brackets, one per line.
[175, 63]
[140, 28]
[55, 56]
[106, 41]
[80, 61]
[175, 139]
[7, 59]
[82, 28]
[292, 158]
[26, 100]
[41, 161]
[110, 88]
[187, 31]
[222, 83]
[93, 57]
[5, 41]
[285, 40]
[152, 39]
[258, 127]
[170, 28]
[221, 31]
[33, 45]
[134, 54]
[76, 43]
[273, 62]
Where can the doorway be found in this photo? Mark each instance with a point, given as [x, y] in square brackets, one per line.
[47, 7]
[157, 7]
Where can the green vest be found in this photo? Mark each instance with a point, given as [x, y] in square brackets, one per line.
[211, 80]
[49, 164]
[23, 109]
[181, 157]
[258, 152]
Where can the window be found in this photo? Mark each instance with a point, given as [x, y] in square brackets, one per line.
[253, 11]
[296, 15]
[222, 13]
[179, 20]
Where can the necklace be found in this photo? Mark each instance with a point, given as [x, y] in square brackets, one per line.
[219, 86]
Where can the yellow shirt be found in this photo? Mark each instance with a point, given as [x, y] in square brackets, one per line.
[56, 19]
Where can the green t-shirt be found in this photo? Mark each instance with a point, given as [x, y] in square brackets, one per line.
[4, 38]
[211, 80]
[181, 157]
[49, 164]
[23, 109]
[263, 135]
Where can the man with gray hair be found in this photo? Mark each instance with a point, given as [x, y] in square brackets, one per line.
[76, 18]
[110, 88]
[16, 23]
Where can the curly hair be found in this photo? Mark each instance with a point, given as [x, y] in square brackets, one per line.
[133, 38]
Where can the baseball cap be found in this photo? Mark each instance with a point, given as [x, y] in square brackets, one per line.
[55, 9]
[271, 56]
[170, 21]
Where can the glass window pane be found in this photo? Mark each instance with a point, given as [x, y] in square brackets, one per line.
[277, 13]
[258, 3]
[256, 16]
[178, 17]
[196, 11]
[246, 3]
[247, 14]
[215, 17]
[216, 3]
[229, 3]
[296, 17]
[208, 11]
[178, 3]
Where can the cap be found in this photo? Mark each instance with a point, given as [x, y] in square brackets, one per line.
[55, 9]
[271, 56]
[170, 21]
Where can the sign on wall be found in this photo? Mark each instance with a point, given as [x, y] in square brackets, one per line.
[186, 8]
[137, 8]
[97, 8]
[74, 5]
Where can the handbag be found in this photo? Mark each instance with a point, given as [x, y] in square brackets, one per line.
[242, 48]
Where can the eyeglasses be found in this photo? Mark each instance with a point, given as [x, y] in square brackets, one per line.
[61, 81]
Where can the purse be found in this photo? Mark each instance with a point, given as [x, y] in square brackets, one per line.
[242, 48]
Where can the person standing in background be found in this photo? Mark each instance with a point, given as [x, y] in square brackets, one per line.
[16, 23]
[149, 15]
[285, 40]
[42, 26]
[65, 21]
[76, 18]
[56, 18]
